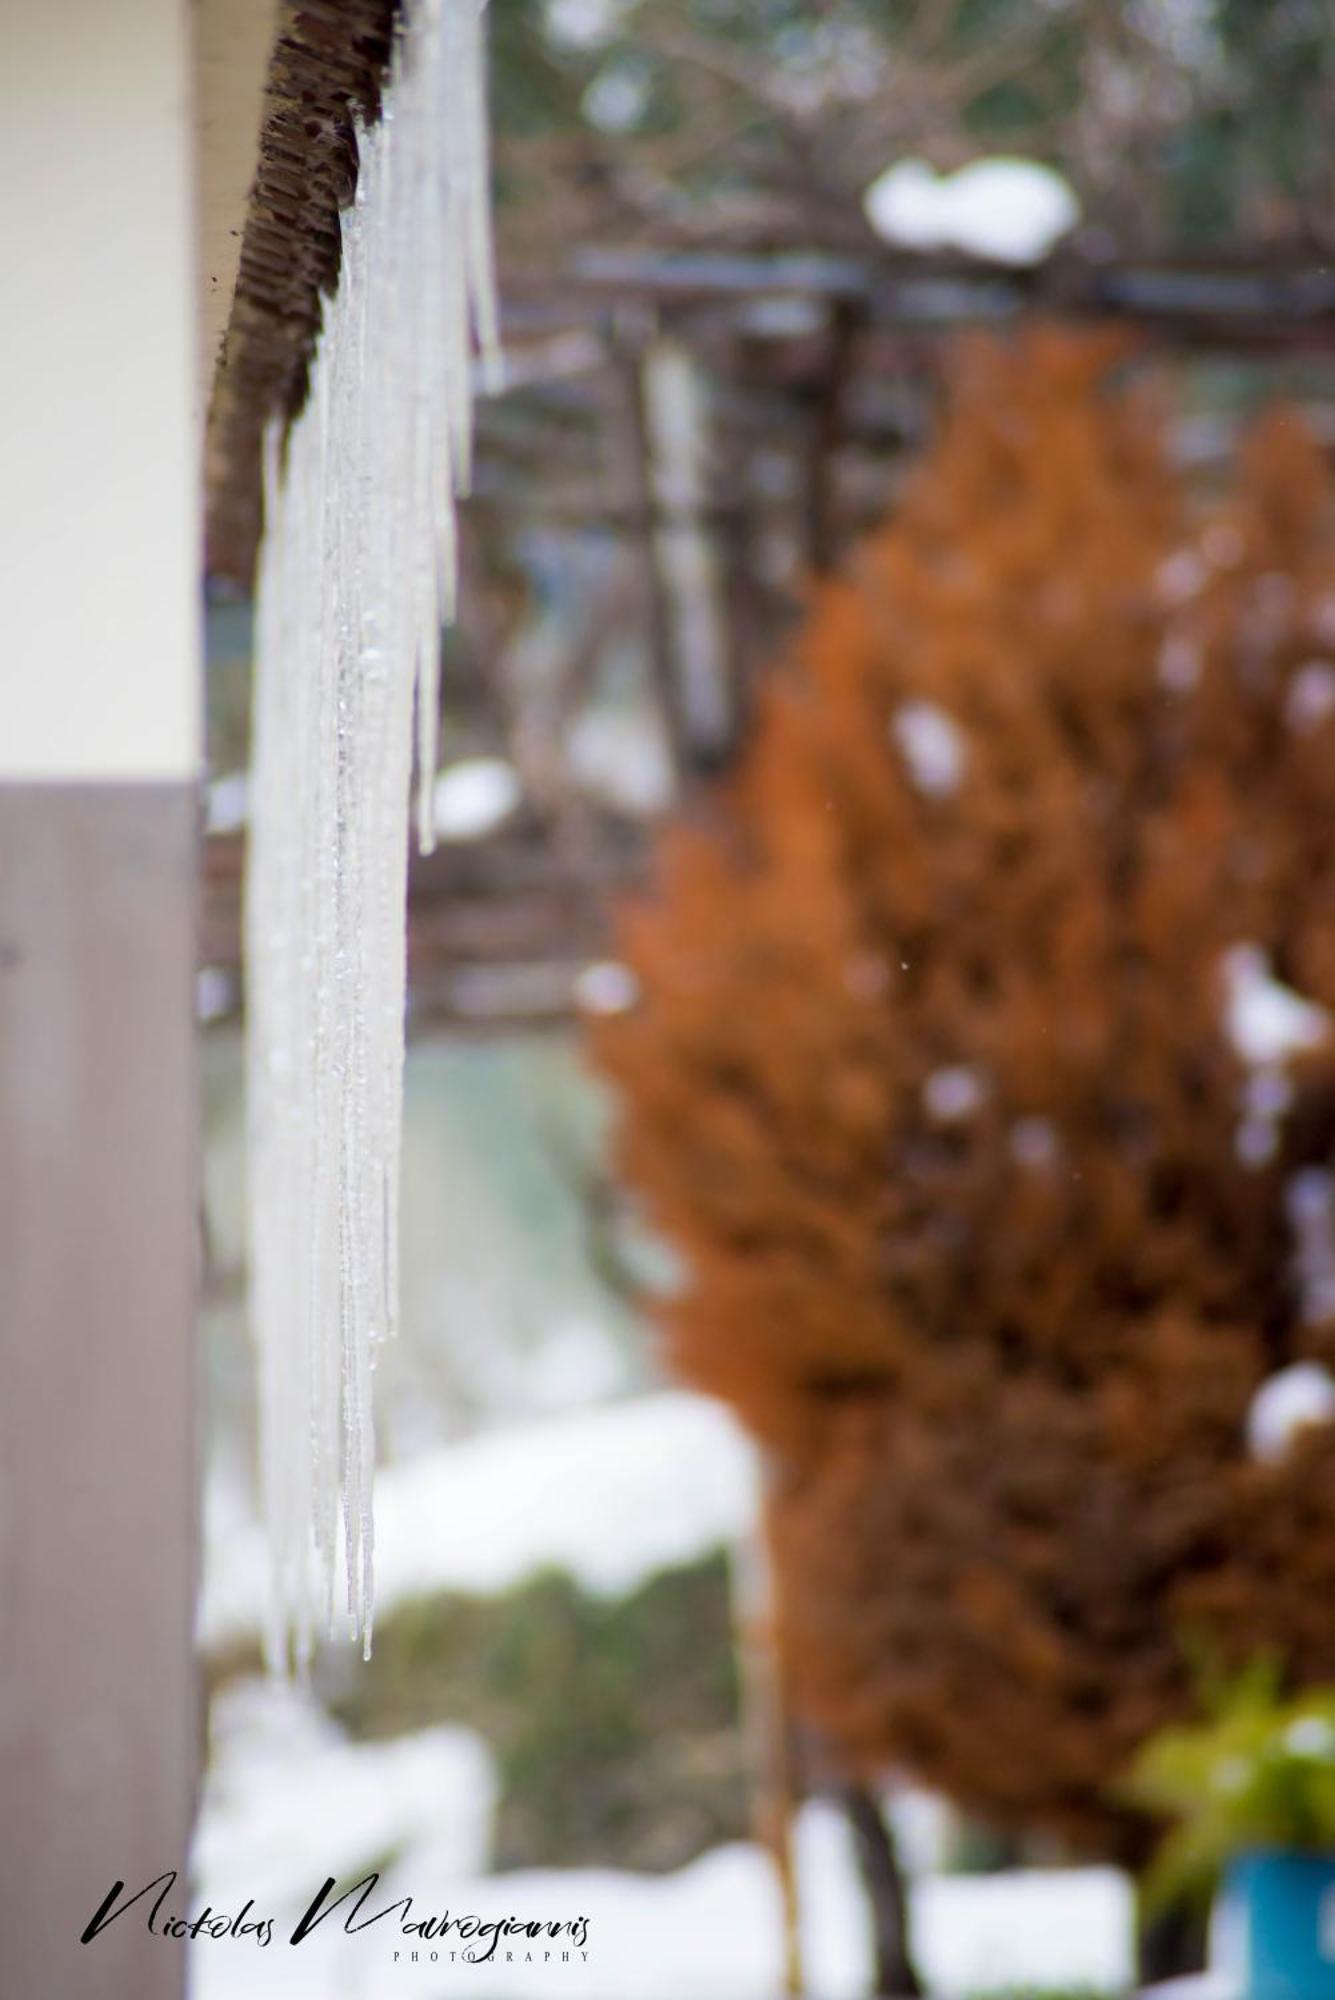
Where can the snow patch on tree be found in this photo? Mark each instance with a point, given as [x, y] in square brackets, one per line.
[931, 745]
[953, 1093]
[1287, 1403]
[1311, 696]
[1267, 1022]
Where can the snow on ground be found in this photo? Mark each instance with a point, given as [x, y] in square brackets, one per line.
[290, 1802]
[288, 1793]
[1040, 1927]
[611, 1494]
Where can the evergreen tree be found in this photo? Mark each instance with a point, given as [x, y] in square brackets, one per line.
[980, 1075]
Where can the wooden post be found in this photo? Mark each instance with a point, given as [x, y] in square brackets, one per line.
[657, 605]
[675, 439]
[99, 696]
[887, 1897]
[822, 532]
[767, 1729]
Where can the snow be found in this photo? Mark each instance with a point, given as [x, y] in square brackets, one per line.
[1266, 1022]
[474, 796]
[1311, 696]
[1311, 1736]
[622, 759]
[1045, 1927]
[606, 987]
[573, 1365]
[215, 993]
[610, 1495]
[925, 1828]
[287, 1793]
[583, 24]
[931, 745]
[1268, 1094]
[953, 1093]
[356, 574]
[1011, 211]
[618, 97]
[1268, 1097]
[1310, 1206]
[1286, 1403]
[226, 802]
[1256, 1142]
[292, 1803]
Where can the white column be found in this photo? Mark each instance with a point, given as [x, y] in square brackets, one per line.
[99, 751]
[99, 510]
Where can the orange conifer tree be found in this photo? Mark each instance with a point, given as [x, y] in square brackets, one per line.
[979, 1074]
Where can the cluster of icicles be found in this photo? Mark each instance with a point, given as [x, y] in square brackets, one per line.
[357, 574]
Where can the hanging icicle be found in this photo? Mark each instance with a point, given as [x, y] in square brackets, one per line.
[357, 574]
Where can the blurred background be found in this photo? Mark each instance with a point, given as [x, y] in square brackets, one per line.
[739, 246]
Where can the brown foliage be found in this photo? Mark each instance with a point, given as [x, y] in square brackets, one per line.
[1000, 1333]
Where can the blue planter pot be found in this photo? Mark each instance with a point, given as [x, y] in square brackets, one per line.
[1275, 1927]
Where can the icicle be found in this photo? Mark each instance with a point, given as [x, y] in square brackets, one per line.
[357, 573]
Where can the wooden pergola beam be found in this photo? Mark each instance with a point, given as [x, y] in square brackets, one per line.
[1244, 298]
[1247, 302]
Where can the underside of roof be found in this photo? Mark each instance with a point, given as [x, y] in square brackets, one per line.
[324, 77]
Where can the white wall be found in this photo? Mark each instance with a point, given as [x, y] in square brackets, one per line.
[99, 507]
